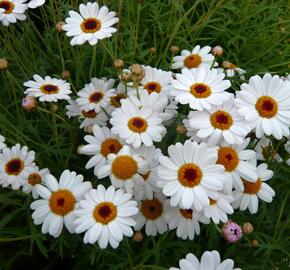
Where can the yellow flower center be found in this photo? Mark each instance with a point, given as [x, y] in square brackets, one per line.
[137, 124]
[34, 178]
[49, 89]
[96, 97]
[152, 87]
[189, 175]
[7, 6]
[105, 212]
[221, 120]
[266, 106]
[252, 188]
[151, 209]
[186, 213]
[116, 100]
[200, 90]
[14, 166]
[211, 201]
[110, 146]
[228, 157]
[192, 61]
[91, 25]
[62, 202]
[89, 114]
[124, 167]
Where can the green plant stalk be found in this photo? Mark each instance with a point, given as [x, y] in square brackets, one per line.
[93, 63]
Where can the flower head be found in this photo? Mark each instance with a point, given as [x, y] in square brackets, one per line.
[232, 232]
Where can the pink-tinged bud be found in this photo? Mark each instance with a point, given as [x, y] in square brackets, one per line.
[232, 232]
[29, 103]
[247, 228]
[217, 51]
[138, 237]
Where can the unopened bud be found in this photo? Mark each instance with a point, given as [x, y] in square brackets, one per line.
[59, 26]
[174, 49]
[126, 76]
[138, 237]
[181, 129]
[137, 69]
[89, 129]
[247, 228]
[65, 74]
[255, 243]
[3, 63]
[153, 50]
[118, 63]
[29, 103]
[217, 51]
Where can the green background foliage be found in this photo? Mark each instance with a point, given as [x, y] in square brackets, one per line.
[254, 34]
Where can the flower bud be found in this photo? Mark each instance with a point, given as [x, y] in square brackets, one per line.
[174, 49]
[181, 129]
[217, 51]
[3, 63]
[247, 228]
[137, 69]
[65, 74]
[138, 237]
[126, 76]
[118, 63]
[153, 50]
[29, 103]
[255, 243]
[89, 129]
[59, 26]
[232, 232]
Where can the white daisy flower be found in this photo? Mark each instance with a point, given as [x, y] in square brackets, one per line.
[264, 149]
[35, 3]
[198, 57]
[95, 95]
[2, 143]
[219, 207]
[34, 178]
[100, 145]
[264, 102]
[92, 24]
[185, 221]
[200, 88]
[91, 118]
[59, 202]
[210, 260]
[152, 215]
[249, 196]
[146, 186]
[137, 125]
[169, 112]
[220, 123]
[12, 10]
[115, 100]
[236, 160]
[48, 89]
[189, 175]
[106, 216]
[16, 163]
[231, 70]
[124, 169]
[73, 109]
[191, 132]
[156, 81]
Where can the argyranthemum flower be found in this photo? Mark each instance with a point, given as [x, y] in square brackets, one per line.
[16, 163]
[2, 143]
[264, 103]
[146, 186]
[12, 10]
[185, 221]
[232, 232]
[156, 80]
[124, 169]
[220, 123]
[200, 88]
[189, 175]
[95, 95]
[231, 70]
[106, 216]
[34, 178]
[92, 24]
[236, 160]
[100, 145]
[91, 118]
[264, 150]
[35, 3]
[249, 196]
[48, 89]
[137, 125]
[219, 207]
[210, 260]
[59, 202]
[152, 215]
[198, 57]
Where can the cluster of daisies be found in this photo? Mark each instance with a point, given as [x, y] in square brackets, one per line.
[219, 167]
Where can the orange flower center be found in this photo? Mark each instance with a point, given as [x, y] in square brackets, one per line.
[189, 175]
[267, 107]
[7, 6]
[228, 157]
[62, 202]
[137, 124]
[89, 114]
[105, 212]
[221, 120]
[152, 87]
[116, 100]
[186, 213]
[151, 209]
[49, 89]
[252, 188]
[110, 146]
[96, 97]
[200, 90]
[34, 178]
[124, 167]
[91, 25]
[192, 61]
[14, 166]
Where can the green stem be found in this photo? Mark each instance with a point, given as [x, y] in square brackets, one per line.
[137, 24]
[20, 238]
[93, 60]
[54, 126]
[105, 111]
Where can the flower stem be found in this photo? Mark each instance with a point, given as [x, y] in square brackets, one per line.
[93, 60]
